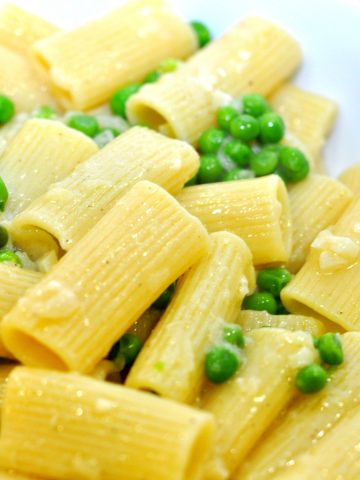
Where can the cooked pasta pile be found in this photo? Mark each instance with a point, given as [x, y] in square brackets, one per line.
[179, 279]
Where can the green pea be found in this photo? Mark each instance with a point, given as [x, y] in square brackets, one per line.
[234, 335]
[221, 363]
[192, 181]
[272, 128]
[202, 33]
[4, 236]
[124, 352]
[238, 174]
[8, 256]
[244, 127]
[255, 105]
[7, 109]
[210, 169]
[273, 280]
[120, 97]
[293, 164]
[163, 301]
[311, 379]
[152, 77]
[238, 152]
[330, 348]
[4, 195]
[225, 115]
[86, 124]
[169, 65]
[260, 301]
[264, 163]
[45, 111]
[211, 140]
[129, 346]
[281, 310]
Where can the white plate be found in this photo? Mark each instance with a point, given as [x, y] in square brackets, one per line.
[328, 30]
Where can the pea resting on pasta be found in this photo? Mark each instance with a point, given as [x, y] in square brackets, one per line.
[156, 223]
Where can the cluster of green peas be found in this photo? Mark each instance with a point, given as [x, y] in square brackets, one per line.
[248, 137]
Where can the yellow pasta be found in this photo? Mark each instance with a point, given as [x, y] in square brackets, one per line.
[14, 282]
[307, 115]
[255, 55]
[247, 404]
[252, 319]
[315, 203]
[328, 285]
[11, 475]
[118, 49]
[41, 153]
[22, 82]
[19, 29]
[69, 209]
[98, 430]
[309, 420]
[209, 294]
[351, 178]
[98, 289]
[335, 457]
[257, 210]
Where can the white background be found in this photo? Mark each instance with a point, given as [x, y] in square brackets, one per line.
[328, 30]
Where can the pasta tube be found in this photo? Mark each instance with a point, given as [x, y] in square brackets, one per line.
[19, 29]
[307, 115]
[22, 82]
[41, 153]
[247, 404]
[328, 285]
[315, 203]
[96, 291]
[69, 209]
[14, 282]
[118, 49]
[257, 210]
[336, 456]
[351, 178]
[252, 319]
[172, 361]
[309, 420]
[98, 430]
[255, 55]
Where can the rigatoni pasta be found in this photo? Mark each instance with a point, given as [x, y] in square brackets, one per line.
[90, 298]
[14, 282]
[314, 122]
[315, 203]
[184, 104]
[253, 319]
[351, 178]
[309, 420]
[98, 430]
[69, 209]
[118, 49]
[328, 284]
[20, 81]
[19, 29]
[247, 404]
[42, 152]
[171, 363]
[257, 210]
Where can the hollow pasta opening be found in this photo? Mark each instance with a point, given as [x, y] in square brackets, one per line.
[32, 351]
